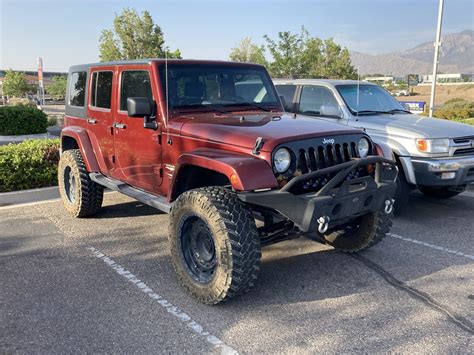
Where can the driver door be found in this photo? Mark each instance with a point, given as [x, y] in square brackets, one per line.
[312, 97]
[137, 149]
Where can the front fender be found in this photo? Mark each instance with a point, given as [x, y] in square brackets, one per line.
[383, 150]
[83, 142]
[245, 173]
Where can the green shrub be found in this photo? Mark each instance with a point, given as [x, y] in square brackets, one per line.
[456, 110]
[17, 120]
[52, 121]
[453, 100]
[29, 165]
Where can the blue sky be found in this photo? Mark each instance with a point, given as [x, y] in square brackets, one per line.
[67, 32]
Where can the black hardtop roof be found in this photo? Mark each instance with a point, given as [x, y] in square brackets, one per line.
[161, 61]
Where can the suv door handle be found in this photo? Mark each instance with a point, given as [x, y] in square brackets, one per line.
[120, 125]
[91, 121]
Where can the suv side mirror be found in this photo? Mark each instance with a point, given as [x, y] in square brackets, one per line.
[330, 111]
[143, 107]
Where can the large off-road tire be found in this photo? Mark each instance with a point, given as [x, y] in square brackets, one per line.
[402, 193]
[214, 244]
[362, 233]
[439, 192]
[80, 195]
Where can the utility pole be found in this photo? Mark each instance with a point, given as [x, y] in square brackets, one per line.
[437, 44]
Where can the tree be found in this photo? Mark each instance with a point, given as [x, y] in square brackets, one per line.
[248, 52]
[303, 56]
[287, 54]
[57, 87]
[134, 37]
[15, 84]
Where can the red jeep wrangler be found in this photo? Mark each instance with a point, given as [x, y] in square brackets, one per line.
[209, 143]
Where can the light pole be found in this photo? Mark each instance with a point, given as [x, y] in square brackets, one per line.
[437, 44]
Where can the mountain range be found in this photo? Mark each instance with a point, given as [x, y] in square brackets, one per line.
[456, 56]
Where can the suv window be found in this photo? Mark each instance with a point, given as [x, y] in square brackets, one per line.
[77, 88]
[313, 97]
[135, 83]
[101, 89]
[288, 92]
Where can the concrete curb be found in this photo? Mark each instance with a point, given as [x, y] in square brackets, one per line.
[4, 140]
[28, 196]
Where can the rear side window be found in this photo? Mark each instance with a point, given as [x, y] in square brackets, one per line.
[313, 97]
[288, 92]
[77, 88]
[101, 89]
[135, 83]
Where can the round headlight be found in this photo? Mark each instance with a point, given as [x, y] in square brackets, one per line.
[282, 160]
[364, 147]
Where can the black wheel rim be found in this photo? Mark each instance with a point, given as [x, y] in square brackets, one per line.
[197, 249]
[70, 184]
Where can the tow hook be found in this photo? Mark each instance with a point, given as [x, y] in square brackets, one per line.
[323, 222]
[389, 205]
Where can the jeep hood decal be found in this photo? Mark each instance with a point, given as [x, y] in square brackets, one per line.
[275, 128]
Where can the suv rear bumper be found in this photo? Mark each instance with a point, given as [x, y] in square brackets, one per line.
[338, 204]
[429, 172]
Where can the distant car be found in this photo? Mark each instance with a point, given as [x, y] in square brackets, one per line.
[433, 155]
[402, 93]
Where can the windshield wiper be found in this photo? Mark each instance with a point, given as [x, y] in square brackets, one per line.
[365, 112]
[398, 110]
[250, 105]
[212, 107]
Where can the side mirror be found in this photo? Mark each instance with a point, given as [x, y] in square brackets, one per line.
[330, 111]
[143, 107]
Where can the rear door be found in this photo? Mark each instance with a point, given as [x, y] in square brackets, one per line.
[137, 149]
[100, 116]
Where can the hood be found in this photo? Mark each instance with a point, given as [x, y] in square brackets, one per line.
[416, 126]
[275, 128]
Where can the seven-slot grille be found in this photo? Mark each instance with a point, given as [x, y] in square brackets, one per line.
[320, 157]
[463, 145]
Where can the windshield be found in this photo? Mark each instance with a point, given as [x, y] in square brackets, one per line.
[371, 99]
[219, 88]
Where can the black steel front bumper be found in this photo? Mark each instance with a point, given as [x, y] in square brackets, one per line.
[337, 201]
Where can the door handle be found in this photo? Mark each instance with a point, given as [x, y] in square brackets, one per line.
[91, 121]
[120, 125]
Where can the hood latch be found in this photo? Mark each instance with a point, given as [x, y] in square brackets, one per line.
[258, 146]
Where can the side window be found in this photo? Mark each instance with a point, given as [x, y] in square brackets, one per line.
[135, 83]
[288, 92]
[101, 89]
[77, 88]
[313, 97]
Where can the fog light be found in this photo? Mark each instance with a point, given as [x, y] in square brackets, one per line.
[446, 176]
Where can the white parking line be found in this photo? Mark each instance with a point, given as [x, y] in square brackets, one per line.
[432, 246]
[173, 310]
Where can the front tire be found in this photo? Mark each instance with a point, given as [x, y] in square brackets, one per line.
[439, 192]
[403, 191]
[214, 244]
[80, 195]
[361, 233]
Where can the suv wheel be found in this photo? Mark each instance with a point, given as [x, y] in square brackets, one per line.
[80, 195]
[439, 192]
[214, 244]
[361, 233]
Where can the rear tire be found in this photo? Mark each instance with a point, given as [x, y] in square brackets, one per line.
[80, 195]
[439, 192]
[362, 233]
[214, 244]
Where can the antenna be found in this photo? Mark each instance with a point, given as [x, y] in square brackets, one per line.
[358, 88]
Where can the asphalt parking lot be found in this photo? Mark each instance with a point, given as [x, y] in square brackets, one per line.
[105, 284]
